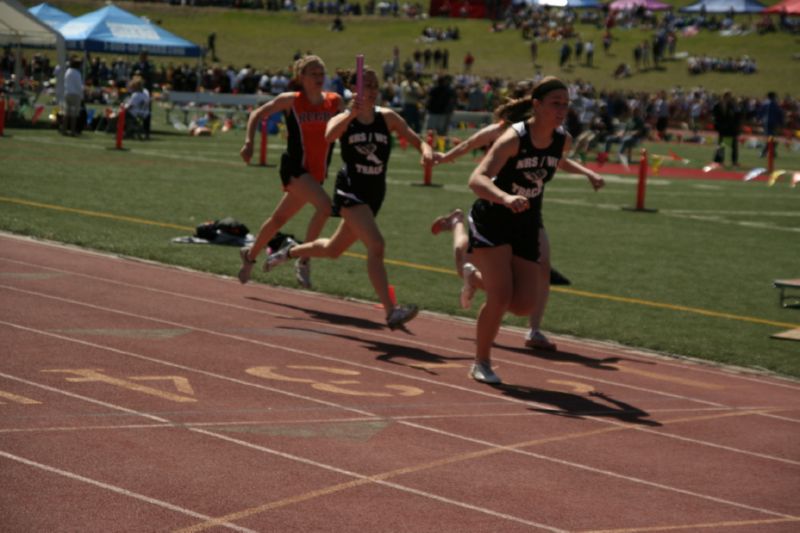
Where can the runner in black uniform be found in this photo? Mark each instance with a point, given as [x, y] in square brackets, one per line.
[365, 138]
[524, 174]
[515, 110]
[507, 237]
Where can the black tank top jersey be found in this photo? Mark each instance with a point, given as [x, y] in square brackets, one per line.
[365, 150]
[525, 175]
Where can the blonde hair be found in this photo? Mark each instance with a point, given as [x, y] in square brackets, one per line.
[303, 63]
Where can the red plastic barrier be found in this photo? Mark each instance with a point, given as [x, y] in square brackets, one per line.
[120, 127]
[263, 155]
[642, 181]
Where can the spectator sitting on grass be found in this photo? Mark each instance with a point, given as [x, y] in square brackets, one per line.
[622, 71]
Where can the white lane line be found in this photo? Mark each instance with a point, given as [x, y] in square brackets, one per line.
[239, 442]
[438, 431]
[106, 486]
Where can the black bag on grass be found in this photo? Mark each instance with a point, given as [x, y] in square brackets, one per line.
[225, 229]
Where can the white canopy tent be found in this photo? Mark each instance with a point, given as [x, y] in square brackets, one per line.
[19, 28]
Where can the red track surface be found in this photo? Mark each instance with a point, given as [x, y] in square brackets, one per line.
[138, 397]
[673, 172]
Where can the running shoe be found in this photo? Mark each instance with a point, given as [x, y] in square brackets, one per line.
[247, 264]
[302, 271]
[468, 288]
[281, 256]
[446, 222]
[536, 339]
[400, 315]
[483, 372]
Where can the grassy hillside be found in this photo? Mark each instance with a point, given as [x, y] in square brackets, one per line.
[269, 40]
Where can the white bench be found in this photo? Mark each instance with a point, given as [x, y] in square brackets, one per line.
[219, 103]
[787, 300]
[227, 104]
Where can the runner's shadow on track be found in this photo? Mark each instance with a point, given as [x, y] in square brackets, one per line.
[333, 318]
[559, 356]
[577, 406]
[416, 358]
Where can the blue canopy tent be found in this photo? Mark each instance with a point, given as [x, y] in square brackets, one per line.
[725, 6]
[19, 28]
[52, 16]
[115, 31]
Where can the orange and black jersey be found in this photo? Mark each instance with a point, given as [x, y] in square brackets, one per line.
[305, 125]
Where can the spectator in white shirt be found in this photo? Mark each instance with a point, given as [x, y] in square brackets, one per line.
[138, 104]
[73, 97]
[279, 83]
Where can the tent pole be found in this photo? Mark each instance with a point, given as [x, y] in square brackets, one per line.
[18, 68]
[61, 55]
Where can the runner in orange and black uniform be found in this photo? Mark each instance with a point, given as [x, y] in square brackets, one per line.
[304, 165]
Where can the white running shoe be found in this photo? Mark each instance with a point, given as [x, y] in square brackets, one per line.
[483, 372]
[247, 264]
[281, 256]
[536, 339]
[302, 271]
[400, 315]
[468, 289]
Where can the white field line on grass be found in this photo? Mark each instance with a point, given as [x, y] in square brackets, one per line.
[237, 162]
[712, 212]
[234, 161]
[689, 215]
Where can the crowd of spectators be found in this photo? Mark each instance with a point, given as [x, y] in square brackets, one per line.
[686, 109]
[705, 63]
[324, 7]
[431, 34]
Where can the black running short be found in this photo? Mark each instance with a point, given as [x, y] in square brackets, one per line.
[349, 193]
[290, 168]
[498, 226]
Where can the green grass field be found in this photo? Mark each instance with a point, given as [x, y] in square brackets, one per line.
[693, 279]
[269, 40]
